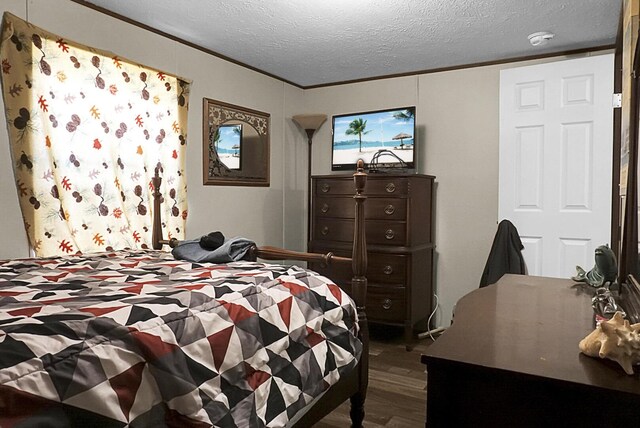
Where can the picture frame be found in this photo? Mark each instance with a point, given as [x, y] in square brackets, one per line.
[236, 145]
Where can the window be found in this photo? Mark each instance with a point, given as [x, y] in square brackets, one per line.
[87, 130]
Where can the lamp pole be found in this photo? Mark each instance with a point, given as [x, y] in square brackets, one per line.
[310, 123]
[310, 133]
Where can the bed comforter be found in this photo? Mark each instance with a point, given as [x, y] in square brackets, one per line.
[141, 339]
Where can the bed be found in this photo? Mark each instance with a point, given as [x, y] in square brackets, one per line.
[138, 338]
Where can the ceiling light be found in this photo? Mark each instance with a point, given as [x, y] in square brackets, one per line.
[540, 38]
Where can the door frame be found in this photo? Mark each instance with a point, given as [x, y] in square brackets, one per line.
[616, 241]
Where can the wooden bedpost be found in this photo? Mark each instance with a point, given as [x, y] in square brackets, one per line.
[354, 384]
[156, 233]
[359, 291]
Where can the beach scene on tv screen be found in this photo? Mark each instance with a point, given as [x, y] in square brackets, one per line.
[228, 144]
[360, 136]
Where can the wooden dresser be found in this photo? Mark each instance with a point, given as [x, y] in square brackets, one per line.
[511, 358]
[399, 232]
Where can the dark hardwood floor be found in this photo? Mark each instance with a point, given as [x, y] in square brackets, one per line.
[397, 384]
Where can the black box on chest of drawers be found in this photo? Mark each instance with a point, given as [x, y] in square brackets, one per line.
[399, 232]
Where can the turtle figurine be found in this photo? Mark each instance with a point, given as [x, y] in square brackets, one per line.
[604, 272]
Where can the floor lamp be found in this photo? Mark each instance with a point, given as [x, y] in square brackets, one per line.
[310, 123]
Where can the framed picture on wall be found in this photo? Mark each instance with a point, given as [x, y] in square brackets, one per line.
[235, 145]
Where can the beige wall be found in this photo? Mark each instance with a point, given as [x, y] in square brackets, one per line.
[11, 225]
[459, 111]
[458, 122]
[457, 141]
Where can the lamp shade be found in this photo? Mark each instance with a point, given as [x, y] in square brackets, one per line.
[310, 121]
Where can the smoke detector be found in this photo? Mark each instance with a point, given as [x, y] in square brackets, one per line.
[540, 38]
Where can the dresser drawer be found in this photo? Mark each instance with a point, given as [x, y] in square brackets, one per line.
[386, 303]
[387, 186]
[382, 268]
[377, 231]
[383, 303]
[387, 268]
[374, 208]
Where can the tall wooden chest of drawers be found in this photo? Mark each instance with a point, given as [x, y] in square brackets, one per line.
[399, 233]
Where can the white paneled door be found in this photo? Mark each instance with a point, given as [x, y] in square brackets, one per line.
[556, 139]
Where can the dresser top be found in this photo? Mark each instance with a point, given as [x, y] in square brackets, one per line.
[375, 176]
[530, 325]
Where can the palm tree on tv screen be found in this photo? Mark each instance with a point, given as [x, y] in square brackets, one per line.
[405, 116]
[357, 127]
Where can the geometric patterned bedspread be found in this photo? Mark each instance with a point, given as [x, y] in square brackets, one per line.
[137, 338]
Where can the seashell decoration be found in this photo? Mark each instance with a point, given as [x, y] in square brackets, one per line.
[616, 340]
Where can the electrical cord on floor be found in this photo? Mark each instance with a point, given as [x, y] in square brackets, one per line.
[432, 314]
[431, 332]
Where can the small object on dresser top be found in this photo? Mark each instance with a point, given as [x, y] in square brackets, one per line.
[616, 340]
[604, 305]
[605, 270]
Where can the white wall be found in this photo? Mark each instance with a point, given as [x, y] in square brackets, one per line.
[254, 212]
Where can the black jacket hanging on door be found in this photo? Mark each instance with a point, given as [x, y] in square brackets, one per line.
[505, 255]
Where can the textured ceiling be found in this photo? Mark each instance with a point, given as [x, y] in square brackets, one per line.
[312, 42]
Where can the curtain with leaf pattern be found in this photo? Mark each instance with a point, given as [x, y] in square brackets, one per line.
[87, 130]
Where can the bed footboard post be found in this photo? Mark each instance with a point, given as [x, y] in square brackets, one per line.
[156, 232]
[359, 291]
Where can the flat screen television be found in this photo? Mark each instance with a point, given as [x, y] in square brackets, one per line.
[384, 136]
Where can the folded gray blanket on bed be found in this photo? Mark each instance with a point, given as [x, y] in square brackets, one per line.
[233, 249]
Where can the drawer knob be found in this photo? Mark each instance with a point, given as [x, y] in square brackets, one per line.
[388, 270]
[389, 234]
[325, 188]
[390, 188]
[325, 230]
[324, 208]
[389, 209]
[386, 304]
